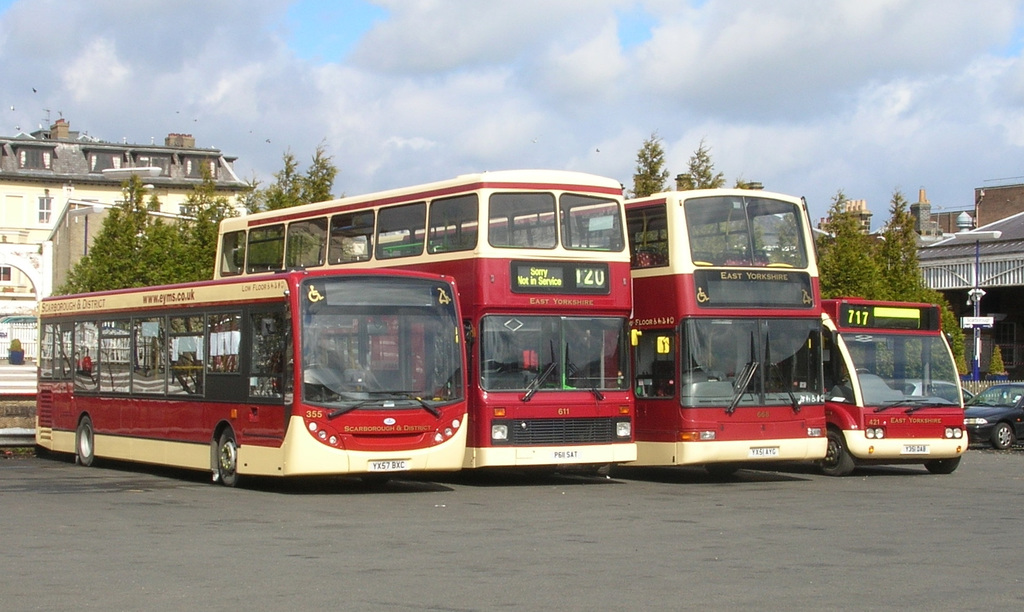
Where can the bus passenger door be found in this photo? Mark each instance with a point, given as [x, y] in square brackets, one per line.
[654, 364]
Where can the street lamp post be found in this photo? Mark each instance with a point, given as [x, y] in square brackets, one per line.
[974, 295]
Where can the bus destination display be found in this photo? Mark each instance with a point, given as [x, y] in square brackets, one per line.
[752, 289]
[888, 317]
[549, 277]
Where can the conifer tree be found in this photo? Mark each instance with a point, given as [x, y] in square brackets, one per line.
[846, 261]
[897, 253]
[700, 172]
[651, 174]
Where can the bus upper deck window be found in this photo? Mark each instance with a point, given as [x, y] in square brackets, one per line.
[522, 220]
[266, 249]
[232, 253]
[351, 237]
[591, 223]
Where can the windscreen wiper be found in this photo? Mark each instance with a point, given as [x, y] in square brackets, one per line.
[537, 382]
[337, 412]
[742, 382]
[572, 370]
[903, 403]
[434, 410]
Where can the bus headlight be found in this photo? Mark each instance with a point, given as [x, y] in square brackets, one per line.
[874, 433]
[954, 432]
[499, 432]
[623, 429]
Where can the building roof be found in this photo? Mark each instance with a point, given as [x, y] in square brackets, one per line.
[1011, 241]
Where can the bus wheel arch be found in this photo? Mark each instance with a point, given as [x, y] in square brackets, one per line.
[837, 460]
[85, 442]
[224, 456]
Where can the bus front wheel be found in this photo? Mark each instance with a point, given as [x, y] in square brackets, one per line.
[85, 449]
[837, 461]
[227, 458]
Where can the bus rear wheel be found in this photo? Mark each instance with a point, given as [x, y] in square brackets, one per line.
[837, 461]
[85, 449]
[227, 458]
[943, 466]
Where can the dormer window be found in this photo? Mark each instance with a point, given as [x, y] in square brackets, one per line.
[32, 158]
[103, 160]
[194, 167]
[155, 161]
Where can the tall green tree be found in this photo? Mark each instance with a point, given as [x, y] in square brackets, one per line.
[292, 188]
[700, 172]
[897, 254]
[286, 190]
[853, 264]
[204, 210]
[846, 255]
[133, 249]
[651, 175]
[319, 179]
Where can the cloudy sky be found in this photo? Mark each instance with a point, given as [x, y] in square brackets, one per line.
[808, 97]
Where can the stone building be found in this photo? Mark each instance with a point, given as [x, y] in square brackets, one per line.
[56, 184]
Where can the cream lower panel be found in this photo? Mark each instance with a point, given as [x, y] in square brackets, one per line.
[526, 456]
[162, 452]
[306, 456]
[892, 448]
[60, 441]
[698, 453]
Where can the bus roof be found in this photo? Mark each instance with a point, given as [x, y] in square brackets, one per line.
[559, 180]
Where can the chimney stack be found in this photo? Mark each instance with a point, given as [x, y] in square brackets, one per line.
[60, 130]
[180, 141]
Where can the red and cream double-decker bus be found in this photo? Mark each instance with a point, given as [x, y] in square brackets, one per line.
[541, 263]
[299, 373]
[893, 394]
[726, 329]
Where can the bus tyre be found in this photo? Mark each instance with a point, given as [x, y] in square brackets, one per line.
[1003, 436]
[837, 461]
[85, 449]
[942, 466]
[227, 458]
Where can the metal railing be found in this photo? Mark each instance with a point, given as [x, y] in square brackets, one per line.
[27, 333]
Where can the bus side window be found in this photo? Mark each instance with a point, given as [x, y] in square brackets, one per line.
[186, 355]
[351, 237]
[87, 340]
[453, 224]
[400, 230]
[232, 254]
[648, 237]
[224, 338]
[266, 362]
[306, 244]
[149, 364]
[266, 249]
[115, 349]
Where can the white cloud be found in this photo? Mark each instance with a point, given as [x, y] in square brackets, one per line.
[96, 72]
[805, 96]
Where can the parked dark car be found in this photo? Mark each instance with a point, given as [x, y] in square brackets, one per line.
[996, 416]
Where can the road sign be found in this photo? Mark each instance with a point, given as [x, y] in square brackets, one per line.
[971, 322]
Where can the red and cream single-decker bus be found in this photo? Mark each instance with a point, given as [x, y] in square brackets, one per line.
[290, 374]
[893, 392]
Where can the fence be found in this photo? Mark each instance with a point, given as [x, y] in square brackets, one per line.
[979, 386]
[28, 333]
